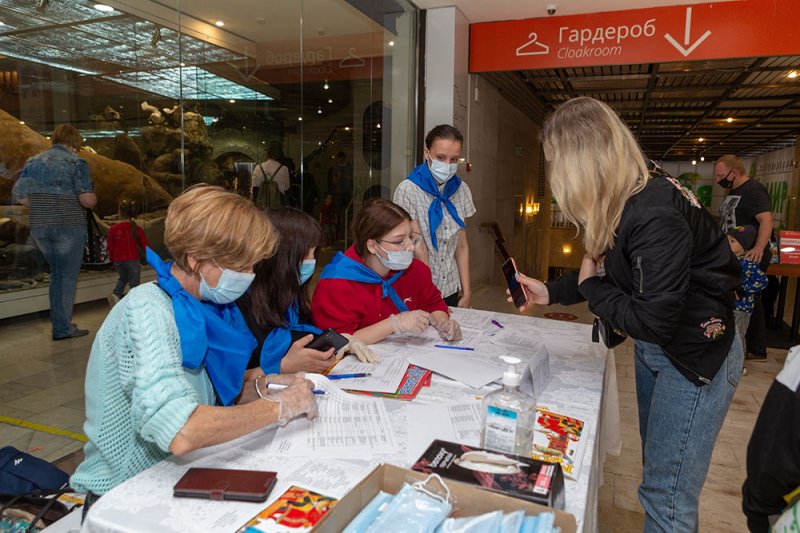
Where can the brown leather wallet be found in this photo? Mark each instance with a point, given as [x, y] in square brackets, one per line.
[224, 484]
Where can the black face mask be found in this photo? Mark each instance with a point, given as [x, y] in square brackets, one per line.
[726, 182]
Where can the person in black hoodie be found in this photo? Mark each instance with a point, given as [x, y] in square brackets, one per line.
[668, 282]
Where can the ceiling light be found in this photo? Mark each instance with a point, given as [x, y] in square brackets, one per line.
[219, 24]
[300, 119]
[702, 158]
[694, 161]
[326, 87]
[232, 101]
[391, 43]
[729, 120]
[378, 125]
[700, 139]
[104, 8]
[22, 122]
[319, 111]
[330, 100]
[347, 128]
[793, 74]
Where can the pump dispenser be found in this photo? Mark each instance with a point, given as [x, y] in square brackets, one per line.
[508, 415]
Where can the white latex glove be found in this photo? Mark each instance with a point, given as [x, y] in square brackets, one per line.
[296, 399]
[449, 330]
[414, 322]
[359, 349]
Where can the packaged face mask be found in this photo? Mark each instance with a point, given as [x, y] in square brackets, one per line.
[512, 522]
[368, 514]
[414, 509]
[541, 523]
[485, 523]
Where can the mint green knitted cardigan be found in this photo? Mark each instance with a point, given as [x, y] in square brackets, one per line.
[138, 395]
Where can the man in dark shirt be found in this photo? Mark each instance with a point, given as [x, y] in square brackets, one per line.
[747, 204]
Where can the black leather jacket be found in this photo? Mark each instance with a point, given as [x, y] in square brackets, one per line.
[669, 280]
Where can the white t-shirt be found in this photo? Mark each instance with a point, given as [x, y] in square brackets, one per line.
[267, 169]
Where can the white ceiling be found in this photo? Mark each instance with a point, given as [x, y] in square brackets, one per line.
[487, 11]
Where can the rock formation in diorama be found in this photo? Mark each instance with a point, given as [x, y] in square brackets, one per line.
[113, 180]
[161, 142]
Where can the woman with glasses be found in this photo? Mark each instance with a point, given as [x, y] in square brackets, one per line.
[439, 204]
[376, 287]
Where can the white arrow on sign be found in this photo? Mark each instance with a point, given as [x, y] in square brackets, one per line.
[681, 49]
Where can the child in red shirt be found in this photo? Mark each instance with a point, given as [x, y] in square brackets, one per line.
[376, 287]
[126, 245]
[327, 221]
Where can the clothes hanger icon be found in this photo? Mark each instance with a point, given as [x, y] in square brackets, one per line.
[352, 60]
[535, 48]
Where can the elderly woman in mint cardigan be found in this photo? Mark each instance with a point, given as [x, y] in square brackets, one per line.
[166, 373]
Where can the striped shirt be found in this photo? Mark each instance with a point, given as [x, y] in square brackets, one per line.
[55, 210]
[443, 261]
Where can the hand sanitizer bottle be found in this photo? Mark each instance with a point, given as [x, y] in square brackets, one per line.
[508, 415]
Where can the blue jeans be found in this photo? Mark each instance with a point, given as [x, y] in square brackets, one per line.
[62, 248]
[129, 274]
[678, 423]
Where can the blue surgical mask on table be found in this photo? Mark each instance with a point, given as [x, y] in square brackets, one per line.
[230, 287]
[396, 260]
[441, 171]
[414, 509]
[307, 268]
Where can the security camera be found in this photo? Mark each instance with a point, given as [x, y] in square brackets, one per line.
[551, 9]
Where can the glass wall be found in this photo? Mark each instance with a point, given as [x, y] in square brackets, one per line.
[168, 94]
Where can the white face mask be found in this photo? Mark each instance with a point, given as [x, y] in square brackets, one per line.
[396, 260]
[442, 172]
[230, 287]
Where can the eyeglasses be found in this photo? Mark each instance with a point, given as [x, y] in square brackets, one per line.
[413, 241]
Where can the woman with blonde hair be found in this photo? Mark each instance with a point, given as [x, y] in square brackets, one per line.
[668, 281]
[166, 374]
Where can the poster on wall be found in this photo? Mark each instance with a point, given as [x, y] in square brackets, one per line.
[774, 171]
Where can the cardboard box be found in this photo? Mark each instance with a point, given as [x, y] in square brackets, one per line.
[469, 500]
[790, 247]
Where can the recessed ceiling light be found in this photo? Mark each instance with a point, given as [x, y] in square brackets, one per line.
[219, 24]
[326, 86]
[729, 120]
[702, 158]
[694, 161]
[104, 8]
[330, 100]
[793, 74]
[700, 139]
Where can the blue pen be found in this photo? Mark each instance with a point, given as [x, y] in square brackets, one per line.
[454, 347]
[278, 386]
[498, 324]
[347, 376]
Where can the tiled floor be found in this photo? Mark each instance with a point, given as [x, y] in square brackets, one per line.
[42, 382]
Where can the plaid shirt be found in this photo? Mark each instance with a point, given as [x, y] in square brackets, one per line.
[442, 262]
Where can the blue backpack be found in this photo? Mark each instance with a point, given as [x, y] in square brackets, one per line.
[22, 473]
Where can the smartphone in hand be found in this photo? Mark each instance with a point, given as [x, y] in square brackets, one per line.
[326, 340]
[518, 293]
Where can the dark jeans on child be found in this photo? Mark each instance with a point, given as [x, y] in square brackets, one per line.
[129, 274]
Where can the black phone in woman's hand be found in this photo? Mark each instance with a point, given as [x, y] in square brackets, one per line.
[326, 340]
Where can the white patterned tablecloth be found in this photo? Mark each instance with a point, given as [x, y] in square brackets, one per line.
[583, 384]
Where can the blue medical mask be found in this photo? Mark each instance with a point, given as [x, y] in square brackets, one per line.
[412, 510]
[396, 260]
[230, 287]
[442, 171]
[306, 270]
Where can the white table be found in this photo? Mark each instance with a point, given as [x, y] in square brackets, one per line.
[580, 372]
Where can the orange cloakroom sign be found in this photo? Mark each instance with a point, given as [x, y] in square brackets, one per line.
[744, 28]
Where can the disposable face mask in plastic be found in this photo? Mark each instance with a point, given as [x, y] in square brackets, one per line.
[541, 523]
[413, 510]
[485, 523]
[368, 514]
[512, 522]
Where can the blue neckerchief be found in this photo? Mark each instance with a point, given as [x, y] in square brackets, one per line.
[421, 177]
[342, 267]
[212, 335]
[277, 342]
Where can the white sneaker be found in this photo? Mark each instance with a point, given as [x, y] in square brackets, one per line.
[112, 299]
